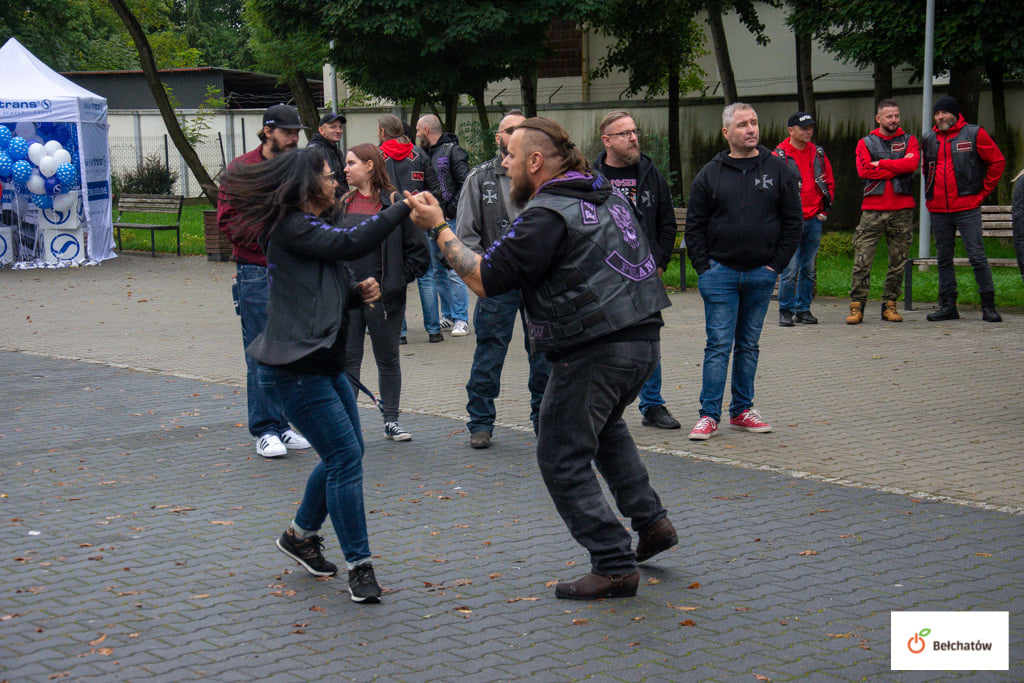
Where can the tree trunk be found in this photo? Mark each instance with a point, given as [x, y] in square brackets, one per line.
[486, 139]
[451, 112]
[1004, 138]
[417, 111]
[804, 74]
[965, 86]
[883, 81]
[152, 77]
[722, 54]
[304, 102]
[675, 155]
[528, 89]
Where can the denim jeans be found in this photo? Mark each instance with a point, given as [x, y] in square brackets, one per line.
[427, 284]
[494, 320]
[796, 287]
[253, 290]
[944, 227]
[384, 333]
[439, 282]
[735, 303]
[650, 392]
[324, 409]
[581, 425]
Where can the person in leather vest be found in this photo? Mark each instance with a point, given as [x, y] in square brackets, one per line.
[593, 296]
[962, 166]
[886, 160]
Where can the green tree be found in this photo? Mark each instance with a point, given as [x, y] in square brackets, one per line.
[658, 56]
[217, 29]
[748, 16]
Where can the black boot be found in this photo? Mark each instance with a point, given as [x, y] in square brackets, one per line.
[947, 310]
[988, 308]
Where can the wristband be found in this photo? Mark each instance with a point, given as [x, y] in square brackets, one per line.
[433, 232]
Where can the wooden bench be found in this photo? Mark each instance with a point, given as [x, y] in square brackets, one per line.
[995, 222]
[680, 247]
[168, 205]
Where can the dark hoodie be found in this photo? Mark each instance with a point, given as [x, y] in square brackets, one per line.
[334, 159]
[744, 213]
[406, 165]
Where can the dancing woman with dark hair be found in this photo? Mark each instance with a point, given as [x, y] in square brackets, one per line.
[301, 353]
[402, 258]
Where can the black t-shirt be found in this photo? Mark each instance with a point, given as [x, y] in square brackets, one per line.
[626, 179]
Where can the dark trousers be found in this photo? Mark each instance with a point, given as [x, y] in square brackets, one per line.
[581, 427]
[385, 331]
[945, 227]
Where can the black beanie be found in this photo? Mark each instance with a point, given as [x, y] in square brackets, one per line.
[947, 103]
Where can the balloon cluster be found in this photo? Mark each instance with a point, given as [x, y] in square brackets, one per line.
[34, 157]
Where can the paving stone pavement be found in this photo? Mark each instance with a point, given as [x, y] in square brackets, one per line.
[139, 523]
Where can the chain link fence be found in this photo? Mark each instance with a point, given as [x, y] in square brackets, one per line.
[129, 153]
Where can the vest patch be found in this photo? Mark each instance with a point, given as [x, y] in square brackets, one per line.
[540, 331]
[417, 175]
[965, 146]
[624, 221]
[898, 147]
[589, 212]
[633, 271]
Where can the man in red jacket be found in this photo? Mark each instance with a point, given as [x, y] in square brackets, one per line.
[962, 166]
[817, 188]
[886, 160]
[280, 133]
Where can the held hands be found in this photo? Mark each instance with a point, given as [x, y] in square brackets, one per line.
[426, 212]
[369, 290]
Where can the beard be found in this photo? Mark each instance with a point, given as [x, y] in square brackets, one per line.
[275, 148]
[944, 125]
[631, 156]
[520, 192]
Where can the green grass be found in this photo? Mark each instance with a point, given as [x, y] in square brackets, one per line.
[192, 240]
[835, 266]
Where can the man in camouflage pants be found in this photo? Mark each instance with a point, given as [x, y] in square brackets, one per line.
[886, 160]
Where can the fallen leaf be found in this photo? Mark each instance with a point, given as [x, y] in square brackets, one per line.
[464, 610]
[742, 609]
[551, 583]
[808, 552]
[62, 674]
[682, 607]
[687, 622]
[983, 554]
[98, 640]
[694, 585]
[314, 608]
[222, 523]
[840, 635]
[495, 575]
[653, 581]
[579, 621]
[197, 597]
[761, 678]
[636, 619]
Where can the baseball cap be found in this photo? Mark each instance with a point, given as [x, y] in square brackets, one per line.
[282, 116]
[331, 116]
[802, 119]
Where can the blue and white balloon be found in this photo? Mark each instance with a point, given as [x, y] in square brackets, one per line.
[21, 171]
[43, 201]
[5, 137]
[17, 148]
[67, 174]
[53, 185]
[6, 166]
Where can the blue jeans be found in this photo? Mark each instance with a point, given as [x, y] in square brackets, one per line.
[494, 321]
[796, 287]
[735, 303]
[581, 427]
[650, 392]
[251, 294]
[439, 282]
[945, 227]
[324, 409]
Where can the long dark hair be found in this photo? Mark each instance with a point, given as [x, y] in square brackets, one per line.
[263, 193]
[380, 184]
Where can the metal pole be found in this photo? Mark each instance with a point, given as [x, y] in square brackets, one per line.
[924, 246]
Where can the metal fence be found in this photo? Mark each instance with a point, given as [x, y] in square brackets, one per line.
[128, 153]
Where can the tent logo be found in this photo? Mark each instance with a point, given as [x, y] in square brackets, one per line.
[916, 644]
[65, 247]
[25, 104]
[3, 247]
[55, 217]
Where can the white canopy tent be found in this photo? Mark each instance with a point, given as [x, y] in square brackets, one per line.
[30, 91]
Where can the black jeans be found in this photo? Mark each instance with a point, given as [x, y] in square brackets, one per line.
[581, 423]
[385, 331]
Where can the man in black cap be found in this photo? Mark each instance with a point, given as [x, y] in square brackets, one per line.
[962, 166]
[327, 138]
[274, 437]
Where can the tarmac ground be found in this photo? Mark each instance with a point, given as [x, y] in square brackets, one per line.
[140, 522]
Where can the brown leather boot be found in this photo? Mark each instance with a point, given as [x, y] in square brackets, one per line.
[856, 313]
[656, 538]
[889, 312]
[595, 587]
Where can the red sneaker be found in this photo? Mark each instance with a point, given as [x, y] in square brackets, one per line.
[705, 428]
[750, 420]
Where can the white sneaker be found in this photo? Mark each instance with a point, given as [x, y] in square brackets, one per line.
[270, 446]
[393, 431]
[446, 323]
[294, 441]
[461, 328]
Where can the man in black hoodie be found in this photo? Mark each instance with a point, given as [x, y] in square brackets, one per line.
[327, 136]
[634, 175]
[590, 285]
[743, 224]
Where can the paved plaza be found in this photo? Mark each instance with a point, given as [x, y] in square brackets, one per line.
[139, 524]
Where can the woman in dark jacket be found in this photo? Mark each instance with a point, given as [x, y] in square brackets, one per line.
[401, 259]
[301, 353]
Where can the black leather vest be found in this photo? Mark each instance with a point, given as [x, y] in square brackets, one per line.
[494, 214]
[894, 148]
[818, 167]
[607, 281]
[968, 168]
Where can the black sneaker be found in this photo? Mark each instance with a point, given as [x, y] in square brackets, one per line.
[658, 416]
[309, 552]
[362, 584]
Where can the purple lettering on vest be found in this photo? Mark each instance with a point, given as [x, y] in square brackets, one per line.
[633, 271]
[589, 213]
[624, 219]
[540, 330]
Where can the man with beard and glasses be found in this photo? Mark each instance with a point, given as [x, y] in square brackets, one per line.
[886, 161]
[633, 175]
[590, 283]
[484, 215]
[280, 133]
[962, 166]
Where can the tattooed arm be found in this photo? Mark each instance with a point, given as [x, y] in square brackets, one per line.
[427, 213]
